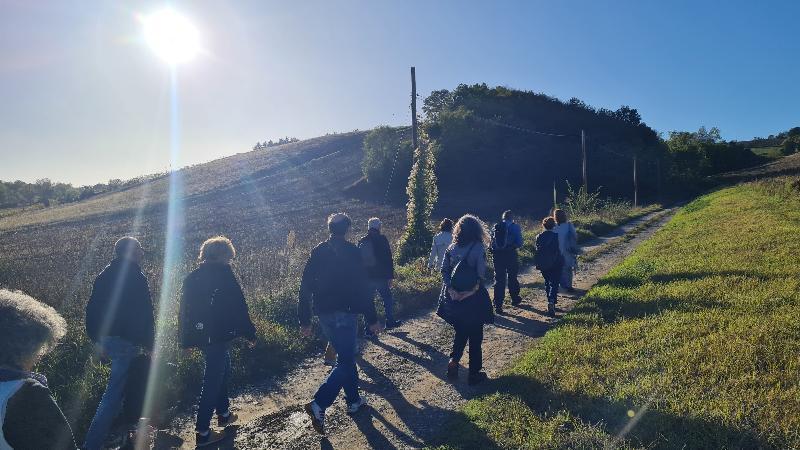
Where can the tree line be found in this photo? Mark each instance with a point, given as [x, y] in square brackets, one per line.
[16, 194]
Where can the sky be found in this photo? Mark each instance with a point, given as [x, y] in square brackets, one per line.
[83, 99]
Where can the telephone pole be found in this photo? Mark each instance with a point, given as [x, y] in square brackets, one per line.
[635, 184]
[583, 165]
[413, 108]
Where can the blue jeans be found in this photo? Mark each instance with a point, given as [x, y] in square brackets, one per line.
[215, 384]
[551, 280]
[341, 330]
[383, 289]
[121, 353]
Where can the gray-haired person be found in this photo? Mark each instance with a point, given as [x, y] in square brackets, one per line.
[29, 415]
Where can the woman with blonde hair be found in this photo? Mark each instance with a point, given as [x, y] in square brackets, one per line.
[213, 312]
[464, 301]
[29, 416]
[568, 244]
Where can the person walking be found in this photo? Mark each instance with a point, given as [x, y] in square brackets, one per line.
[376, 254]
[506, 240]
[213, 312]
[119, 320]
[335, 287]
[568, 244]
[29, 416]
[464, 301]
[441, 242]
[549, 261]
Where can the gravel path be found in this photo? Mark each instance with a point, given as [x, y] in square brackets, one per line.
[403, 372]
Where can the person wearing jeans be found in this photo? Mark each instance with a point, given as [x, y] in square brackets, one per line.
[336, 289]
[377, 257]
[506, 240]
[119, 320]
[214, 395]
[549, 261]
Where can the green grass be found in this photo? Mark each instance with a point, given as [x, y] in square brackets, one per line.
[769, 152]
[692, 342]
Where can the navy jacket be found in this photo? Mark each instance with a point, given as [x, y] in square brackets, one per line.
[335, 280]
[384, 264]
[120, 305]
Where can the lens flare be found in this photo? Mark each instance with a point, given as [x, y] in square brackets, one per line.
[171, 36]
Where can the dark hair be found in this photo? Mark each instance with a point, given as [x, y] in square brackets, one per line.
[560, 215]
[548, 223]
[125, 246]
[446, 225]
[469, 229]
[507, 215]
[339, 223]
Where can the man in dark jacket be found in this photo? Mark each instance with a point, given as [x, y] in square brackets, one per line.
[119, 319]
[377, 256]
[335, 288]
[506, 240]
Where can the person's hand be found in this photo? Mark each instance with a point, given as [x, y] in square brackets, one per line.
[251, 343]
[305, 330]
[391, 283]
[187, 352]
[376, 328]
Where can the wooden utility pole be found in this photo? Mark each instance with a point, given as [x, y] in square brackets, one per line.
[635, 184]
[583, 165]
[658, 178]
[413, 108]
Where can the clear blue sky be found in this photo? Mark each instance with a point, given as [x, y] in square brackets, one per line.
[83, 99]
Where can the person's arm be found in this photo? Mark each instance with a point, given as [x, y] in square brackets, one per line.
[447, 270]
[34, 420]
[363, 290]
[390, 261]
[480, 264]
[434, 252]
[243, 322]
[148, 318]
[518, 241]
[93, 312]
[183, 327]
[307, 285]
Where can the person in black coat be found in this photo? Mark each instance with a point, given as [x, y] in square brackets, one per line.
[119, 320]
[213, 312]
[377, 255]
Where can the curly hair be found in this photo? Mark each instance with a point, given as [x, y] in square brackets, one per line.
[548, 223]
[217, 249]
[30, 328]
[470, 229]
[446, 225]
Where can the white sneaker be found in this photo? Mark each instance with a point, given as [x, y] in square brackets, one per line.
[354, 407]
[317, 416]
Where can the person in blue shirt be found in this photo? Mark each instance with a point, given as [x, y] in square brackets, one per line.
[506, 240]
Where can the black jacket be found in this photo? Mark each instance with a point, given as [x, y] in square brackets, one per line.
[384, 264]
[120, 305]
[335, 280]
[33, 420]
[213, 297]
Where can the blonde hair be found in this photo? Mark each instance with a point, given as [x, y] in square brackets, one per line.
[30, 328]
[217, 249]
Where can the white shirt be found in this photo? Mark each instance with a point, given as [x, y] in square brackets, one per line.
[441, 241]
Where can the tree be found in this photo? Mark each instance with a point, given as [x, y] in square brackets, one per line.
[381, 146]
[422, 195]
[437, 102]
[628, 115]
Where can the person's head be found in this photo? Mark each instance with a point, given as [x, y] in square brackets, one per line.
[374, 225]
[339, 224]
[548, 223]
[560, 215]
[508, 215]
[129, 249]
[446, 225]
[218, 249]
[30, 329]
[470, 229]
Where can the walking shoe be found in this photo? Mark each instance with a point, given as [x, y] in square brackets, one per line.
[452, 370]
[368, 333]
[516, 302]
[208, 438]
[475, 378]
[498, 310]
[317, 415]
[353, 408]
[393, 324]
[226, 420]
[329, 362]
[551, 309]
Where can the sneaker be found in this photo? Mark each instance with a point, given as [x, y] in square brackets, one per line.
[516, 301]
[498, 310]
[551, 309]
[226, 420]
[477, 378]
[329, 362]
[368, 333]
[317, 415]
[452, 370]
[353, 408]
[393, 324]
[208, 438]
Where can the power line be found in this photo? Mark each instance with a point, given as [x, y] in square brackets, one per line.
[524, 130]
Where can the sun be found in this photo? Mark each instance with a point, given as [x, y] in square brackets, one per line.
[171, 36]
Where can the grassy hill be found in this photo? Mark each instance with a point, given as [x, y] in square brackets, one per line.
[692, 342]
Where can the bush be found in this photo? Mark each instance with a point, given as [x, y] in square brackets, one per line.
[387, 156]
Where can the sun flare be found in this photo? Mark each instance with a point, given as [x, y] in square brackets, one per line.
[171, 36]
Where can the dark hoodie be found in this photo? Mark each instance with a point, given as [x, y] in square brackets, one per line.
[33, 420]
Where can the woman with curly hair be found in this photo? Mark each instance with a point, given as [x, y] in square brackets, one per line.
[464, 301]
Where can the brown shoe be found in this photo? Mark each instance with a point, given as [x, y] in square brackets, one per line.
[452, 370]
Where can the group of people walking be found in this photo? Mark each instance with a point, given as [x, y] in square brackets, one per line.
[339, 283]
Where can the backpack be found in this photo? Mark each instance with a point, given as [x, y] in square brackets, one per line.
[500, 233]
[368, 253]
[464, 277]
[548, 255]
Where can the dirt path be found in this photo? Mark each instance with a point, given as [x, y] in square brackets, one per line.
[403, 372]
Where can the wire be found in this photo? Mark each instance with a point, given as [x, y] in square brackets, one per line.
[524, 130]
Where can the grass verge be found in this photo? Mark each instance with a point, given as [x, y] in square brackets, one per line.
[691, 342]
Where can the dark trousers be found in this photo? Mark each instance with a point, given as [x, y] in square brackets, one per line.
[506, 267]
[215, 384]
[551, 280]
[474, 335]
